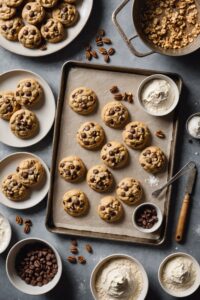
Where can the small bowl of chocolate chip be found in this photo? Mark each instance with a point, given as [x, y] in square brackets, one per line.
[33, 266]
[147, 217]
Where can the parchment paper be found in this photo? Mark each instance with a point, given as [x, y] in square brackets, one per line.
[101, 81]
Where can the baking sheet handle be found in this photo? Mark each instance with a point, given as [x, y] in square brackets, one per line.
[126, 39]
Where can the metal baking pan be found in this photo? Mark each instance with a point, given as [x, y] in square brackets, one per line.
[100, 78]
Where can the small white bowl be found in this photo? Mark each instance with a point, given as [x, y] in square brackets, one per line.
[174, 91]
[116, 256]
[21, 285]
[156, 226]
[187, 123]
[187, 292]
[9, 234]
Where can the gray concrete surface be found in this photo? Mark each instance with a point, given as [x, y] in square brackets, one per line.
[75, 280]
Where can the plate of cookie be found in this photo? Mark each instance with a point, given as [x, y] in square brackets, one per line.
[24, 180]
[42, 27]
[26, 103]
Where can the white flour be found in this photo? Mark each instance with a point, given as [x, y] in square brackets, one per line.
[152, 181]
[179, 274]
[157, 96]
[119, 278]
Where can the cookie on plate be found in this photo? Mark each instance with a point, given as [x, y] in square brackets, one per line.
[72, 168]
[53, 31]
[75, 203]
[152, 159]
[47, 3]
[24, 124]
[100, 179]
[33, 13]
[115, 114]
[13, 189]
[30, 36]
[90, 135]
[83, 100]
[110, 209]
[67, 14]
[14, 3]
[8, 105]
[136, 135]
[29, 92]
[10, 28]
[114, 154]
[30, 172]
[129, 191]
[6, 12]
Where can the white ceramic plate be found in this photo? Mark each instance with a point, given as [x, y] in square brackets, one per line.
[84, 7]
[8, 165]
[45, 110]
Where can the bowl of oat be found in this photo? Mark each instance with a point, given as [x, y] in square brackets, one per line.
[179, 274]
[119, 276]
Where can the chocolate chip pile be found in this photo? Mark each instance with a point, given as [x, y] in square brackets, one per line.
[146, 217]
[36, 264]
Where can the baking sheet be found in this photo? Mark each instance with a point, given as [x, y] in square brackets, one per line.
[101, 81]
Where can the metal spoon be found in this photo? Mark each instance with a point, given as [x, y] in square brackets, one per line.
[182, 171]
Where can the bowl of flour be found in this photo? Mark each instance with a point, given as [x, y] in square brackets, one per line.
[158, 95]
[5, 233]
[119, 276]
[179, 275]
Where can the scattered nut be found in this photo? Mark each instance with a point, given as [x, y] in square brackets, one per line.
[27, 228]
[160, 134]
[72, 259]
[103, 51]
[118, 97]
[114, 89]
[111, 51]
[88, 55]
[94, 54]
[74, 249]
[88, 248]
[28, 222]
[19, 220]
[106, 58]
[81, 260]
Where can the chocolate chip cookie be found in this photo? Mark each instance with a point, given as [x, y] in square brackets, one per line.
[29, 92]
[13, 189]
[72, 168]
[83, 100]
[152, 159]
[8, 105]
[33, 13]
[13, 3]
[110, 209]
[129, 190]
[136, 135]
[48, 3]
[75, 203]
[10, 28]
[114, 155]
[6, 12]
[53, 31]
[30, 37]
[30, 172]
[115, 114]
[100, 179]
[24, 124]
[67, 14]
[90, 135]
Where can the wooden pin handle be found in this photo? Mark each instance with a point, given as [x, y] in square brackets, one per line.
[182, 218]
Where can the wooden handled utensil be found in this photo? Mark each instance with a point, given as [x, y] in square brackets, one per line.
[182, 220]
